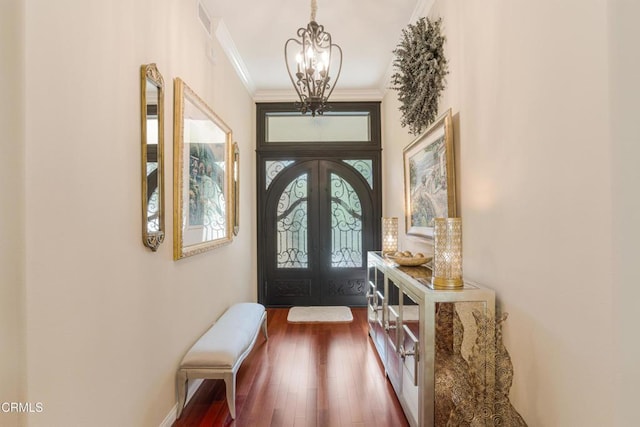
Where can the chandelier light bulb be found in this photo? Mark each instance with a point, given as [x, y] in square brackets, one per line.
[299, 64]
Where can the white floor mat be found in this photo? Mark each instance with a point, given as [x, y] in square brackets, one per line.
[319, 314]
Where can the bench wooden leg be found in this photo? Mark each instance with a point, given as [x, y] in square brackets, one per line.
[181, 390]
[230, 382]
[264, 327]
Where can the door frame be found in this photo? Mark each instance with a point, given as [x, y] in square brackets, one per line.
[299, 152]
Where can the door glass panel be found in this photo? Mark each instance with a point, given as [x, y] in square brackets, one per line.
[292, 230]
[273, 168]
[346, 224]
[330, 127]
[364, 167]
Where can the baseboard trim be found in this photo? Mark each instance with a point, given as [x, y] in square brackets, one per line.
[171, 416]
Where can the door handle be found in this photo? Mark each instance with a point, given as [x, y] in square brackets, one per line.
[389, 327]
[415, 352]
[370, 298]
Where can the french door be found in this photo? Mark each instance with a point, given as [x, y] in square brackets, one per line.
[319, 225]
[319, 202]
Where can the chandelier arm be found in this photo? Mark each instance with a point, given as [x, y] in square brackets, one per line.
[286, 62]
[333, 86]
[311, 82]
[323, 37]
[308, 44]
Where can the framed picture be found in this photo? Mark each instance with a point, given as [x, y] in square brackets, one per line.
[429, 177]
[203, 175]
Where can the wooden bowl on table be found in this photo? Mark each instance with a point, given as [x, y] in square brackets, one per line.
[408, 259]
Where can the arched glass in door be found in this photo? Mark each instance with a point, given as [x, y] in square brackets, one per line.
[346, 224]
[291, 223]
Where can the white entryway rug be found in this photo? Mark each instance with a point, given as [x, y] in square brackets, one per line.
[319, 314]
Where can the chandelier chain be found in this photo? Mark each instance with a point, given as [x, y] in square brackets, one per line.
[314, 9]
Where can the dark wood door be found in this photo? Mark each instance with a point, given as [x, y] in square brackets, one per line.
[319, 226]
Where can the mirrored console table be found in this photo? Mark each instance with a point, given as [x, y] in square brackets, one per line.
[437, 346]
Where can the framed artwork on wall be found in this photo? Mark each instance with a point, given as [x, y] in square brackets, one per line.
[203, 175]
[429, 177]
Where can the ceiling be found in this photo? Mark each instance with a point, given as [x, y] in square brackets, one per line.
[253, 34]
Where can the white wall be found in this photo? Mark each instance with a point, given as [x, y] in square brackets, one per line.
[624, 63]
[529, 85]
[12, 170]
[107, 319]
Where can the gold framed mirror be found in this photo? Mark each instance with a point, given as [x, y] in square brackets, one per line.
[152, 144]
[236, 189]
[202, 174]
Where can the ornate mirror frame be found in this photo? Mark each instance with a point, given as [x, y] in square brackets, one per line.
[152, 149]
[236, 189]
[203, 196]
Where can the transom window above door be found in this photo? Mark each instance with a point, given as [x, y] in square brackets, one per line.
[353, 126]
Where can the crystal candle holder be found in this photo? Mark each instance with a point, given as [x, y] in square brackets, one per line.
[389, 235]
[447, 253]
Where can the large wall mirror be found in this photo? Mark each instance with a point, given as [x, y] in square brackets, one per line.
[202, 170]
[152, 126]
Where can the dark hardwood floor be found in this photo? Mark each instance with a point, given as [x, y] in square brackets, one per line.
[321, 375]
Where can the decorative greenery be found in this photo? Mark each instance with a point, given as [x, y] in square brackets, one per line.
[421, 68]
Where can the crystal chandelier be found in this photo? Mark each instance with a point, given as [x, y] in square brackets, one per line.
[309, 73]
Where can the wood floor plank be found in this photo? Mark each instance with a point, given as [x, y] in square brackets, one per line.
[305, 375]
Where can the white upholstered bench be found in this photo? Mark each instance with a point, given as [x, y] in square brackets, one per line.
[219, 353]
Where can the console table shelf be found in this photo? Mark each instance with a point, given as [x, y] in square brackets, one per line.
[430, 342]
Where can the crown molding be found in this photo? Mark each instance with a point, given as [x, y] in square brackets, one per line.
[229, 47]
